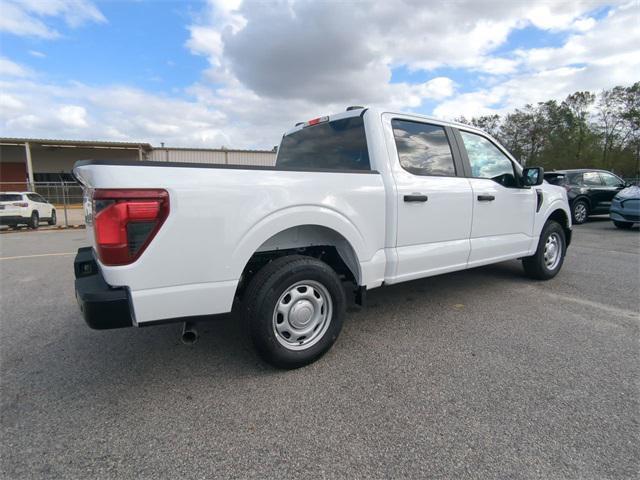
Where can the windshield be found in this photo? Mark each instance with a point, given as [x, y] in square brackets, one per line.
[10, 197]
[337, 145]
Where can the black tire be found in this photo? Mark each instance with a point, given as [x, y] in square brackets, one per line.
[53, 219]
[623, 225]
[261, 299]
[580, 212]
[536, 266]
[34, 221]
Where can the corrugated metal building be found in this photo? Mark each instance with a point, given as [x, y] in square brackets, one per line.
[24, 161]
[265, 158]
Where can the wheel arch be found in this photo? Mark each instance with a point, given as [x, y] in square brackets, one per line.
[583, 198]
[297, 229]
[564, 219]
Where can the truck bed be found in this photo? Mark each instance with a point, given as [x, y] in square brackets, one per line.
[220, 215]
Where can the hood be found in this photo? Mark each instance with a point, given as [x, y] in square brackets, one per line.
[629, 192]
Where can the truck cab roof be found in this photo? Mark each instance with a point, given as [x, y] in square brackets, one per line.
[377, 111]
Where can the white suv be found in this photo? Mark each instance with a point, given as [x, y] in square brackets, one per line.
[26, 208]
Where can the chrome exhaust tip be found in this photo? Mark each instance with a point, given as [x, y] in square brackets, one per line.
[189, 333]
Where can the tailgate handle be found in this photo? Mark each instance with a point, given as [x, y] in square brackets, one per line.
[486, 198]
[415, 198]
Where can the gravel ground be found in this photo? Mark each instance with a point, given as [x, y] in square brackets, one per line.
[478, 374]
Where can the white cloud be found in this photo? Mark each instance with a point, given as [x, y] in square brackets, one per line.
[12, 69]
[10, 103]
[606, 55]
[75, 110]
[36, 53]
[28, 17]
[73, 116]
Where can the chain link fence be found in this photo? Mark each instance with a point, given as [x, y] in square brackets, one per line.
[65, 196]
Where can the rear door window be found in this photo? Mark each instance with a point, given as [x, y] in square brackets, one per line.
[423, 149]
[591, 179]
[338, 145]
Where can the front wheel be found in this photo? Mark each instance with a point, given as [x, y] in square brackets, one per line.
[294, 309]
[549, 257]
[53, 219]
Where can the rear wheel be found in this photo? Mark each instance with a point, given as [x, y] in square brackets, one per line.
[294, 309]
[53, 219]
[549, 257]
[623, 225]
[34, 221]
[580, 212]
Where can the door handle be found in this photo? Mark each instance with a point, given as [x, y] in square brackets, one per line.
[486, 198]
[415, 198]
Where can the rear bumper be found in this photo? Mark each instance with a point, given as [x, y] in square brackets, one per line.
[103, 306]
[13, 219]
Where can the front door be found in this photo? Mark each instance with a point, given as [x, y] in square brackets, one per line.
[612, 185]
[433, 203]
[596, 191]
[503, 212]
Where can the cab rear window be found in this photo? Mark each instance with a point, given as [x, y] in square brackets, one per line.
[338, 145]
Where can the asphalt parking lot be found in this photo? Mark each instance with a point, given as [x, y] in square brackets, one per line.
[478, 374]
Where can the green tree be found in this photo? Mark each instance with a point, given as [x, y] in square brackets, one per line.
[583, 131]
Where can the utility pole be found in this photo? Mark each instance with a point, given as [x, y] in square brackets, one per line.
[27, 149]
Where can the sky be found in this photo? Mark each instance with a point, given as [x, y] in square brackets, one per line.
[239, 73]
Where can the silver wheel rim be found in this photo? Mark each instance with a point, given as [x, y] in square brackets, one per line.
[580, 212]
[552, 251]
[302, 315]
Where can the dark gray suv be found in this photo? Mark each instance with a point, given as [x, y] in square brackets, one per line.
[590, 192]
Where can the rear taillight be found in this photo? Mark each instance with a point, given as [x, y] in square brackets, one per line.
[125, 221]
[20, 204]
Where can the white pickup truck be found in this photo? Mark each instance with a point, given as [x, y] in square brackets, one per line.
[363, 198]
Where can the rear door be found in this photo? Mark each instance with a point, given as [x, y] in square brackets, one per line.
[433, 198]
[503, 212]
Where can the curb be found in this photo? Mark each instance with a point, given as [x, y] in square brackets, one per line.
[62, 227]
[44, 229]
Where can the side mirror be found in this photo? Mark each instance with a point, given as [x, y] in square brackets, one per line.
[532, 176]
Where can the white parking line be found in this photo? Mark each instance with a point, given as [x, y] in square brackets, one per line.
[40, 255]
[620, 312]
